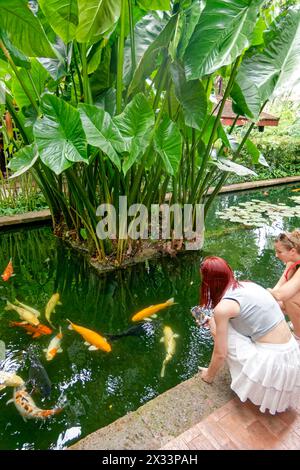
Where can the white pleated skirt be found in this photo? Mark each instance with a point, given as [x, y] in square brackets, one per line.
[266, 374]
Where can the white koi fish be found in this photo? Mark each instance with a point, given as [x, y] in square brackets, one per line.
[169, 340]
[30, 309]
[10, 379]
[54, 346]
[24, 314]
[27, 408]
[50, 307]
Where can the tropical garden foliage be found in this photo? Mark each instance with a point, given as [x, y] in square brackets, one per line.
[118, 98]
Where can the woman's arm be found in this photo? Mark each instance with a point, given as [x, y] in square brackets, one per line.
[281, 281]
[289, 289]
[224, 310]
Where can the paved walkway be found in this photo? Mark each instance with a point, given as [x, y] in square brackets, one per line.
[238, 425]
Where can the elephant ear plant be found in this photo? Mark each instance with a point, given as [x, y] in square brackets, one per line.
[119, 99]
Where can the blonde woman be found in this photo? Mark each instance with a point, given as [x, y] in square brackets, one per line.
[287, 289]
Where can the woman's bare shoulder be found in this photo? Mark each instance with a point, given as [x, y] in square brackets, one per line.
[228, 308]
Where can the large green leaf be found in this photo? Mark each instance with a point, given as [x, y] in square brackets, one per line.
[135, 124]
[39, 78]
[17, 56]
[149, 60]
[3, 91]
[168, 143]
[101, 132]
[23, 160]
[191, 18]
[221, 35]
[191, 96]
[155, 4]
[58, 67]
[96, 17]
[232, 167]
[256, 155]
[24, 29]
[101, 79]
[274, 71]
[59, 134]
[145, 33]
[62, 16]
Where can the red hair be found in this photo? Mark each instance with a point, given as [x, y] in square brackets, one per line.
[217, 277]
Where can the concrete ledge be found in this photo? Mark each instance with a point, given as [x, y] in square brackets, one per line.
[257, 184]
[26, 218]
[157, 422]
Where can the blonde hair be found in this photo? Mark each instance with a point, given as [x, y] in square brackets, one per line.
[290, 240]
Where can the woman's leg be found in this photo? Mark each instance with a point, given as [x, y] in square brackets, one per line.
[292, 309]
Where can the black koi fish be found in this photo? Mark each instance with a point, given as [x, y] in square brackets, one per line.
[38, 377]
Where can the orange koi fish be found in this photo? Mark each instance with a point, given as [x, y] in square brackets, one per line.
[27, 408]
[35, 331]
[147, 312]
[92, 339]
[8, 272]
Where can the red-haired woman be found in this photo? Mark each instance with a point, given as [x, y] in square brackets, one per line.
[251, 333]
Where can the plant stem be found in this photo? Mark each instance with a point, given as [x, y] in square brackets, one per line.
[121, 57]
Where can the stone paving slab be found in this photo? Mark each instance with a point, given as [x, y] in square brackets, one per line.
[161, 419]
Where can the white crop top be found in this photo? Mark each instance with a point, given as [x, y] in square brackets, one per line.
[259, 313]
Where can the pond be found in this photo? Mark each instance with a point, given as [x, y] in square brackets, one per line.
[94, 387]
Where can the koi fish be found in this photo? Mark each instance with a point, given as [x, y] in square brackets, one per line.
[10, 379]
[30, 309]
[38, 377]
[146, 312]
[50, 307]
[23, 313]
[35, 331]
[8, 272]
[295, 190]
[27, 408]
[92, 339]
[54, 346]
[144, 328]
[169, 340]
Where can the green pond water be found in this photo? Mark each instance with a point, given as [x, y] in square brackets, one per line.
[95, 387]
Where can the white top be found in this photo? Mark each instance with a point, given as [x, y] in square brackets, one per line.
[259, 313]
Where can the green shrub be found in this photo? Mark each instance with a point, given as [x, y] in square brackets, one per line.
[282, 154]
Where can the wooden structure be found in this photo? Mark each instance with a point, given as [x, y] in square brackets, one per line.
[228, 117]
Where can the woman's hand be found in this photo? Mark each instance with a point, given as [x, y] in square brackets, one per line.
[205, 375]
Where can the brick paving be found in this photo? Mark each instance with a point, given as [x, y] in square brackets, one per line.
[241, 426]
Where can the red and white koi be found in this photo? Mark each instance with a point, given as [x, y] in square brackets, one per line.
[54, 346]
[27, 408]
